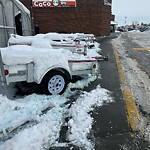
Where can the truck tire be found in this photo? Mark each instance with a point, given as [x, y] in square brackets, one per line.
[55, 82]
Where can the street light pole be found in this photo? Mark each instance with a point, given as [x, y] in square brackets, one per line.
[125, 20]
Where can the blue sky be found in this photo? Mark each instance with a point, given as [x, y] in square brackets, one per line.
[128, 11]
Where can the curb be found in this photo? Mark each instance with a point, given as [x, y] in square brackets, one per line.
[131, 108]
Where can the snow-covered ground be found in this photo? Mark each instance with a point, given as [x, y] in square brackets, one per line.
[34, 122]
[137, 79]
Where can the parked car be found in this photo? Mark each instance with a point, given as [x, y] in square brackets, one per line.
[144, 29]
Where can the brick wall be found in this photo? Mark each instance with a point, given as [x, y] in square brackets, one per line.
[90, 16]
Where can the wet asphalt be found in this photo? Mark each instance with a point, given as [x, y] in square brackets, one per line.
[111, 128]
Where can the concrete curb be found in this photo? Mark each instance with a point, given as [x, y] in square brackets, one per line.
[132, 110]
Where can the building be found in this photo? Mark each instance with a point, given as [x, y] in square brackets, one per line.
[14, 19]
[70, 16]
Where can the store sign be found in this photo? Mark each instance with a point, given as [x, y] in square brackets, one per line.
[54, 3]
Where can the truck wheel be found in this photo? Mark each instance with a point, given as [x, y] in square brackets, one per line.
[55, 82]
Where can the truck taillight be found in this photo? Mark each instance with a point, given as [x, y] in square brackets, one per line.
[94, 66]
[6, 72]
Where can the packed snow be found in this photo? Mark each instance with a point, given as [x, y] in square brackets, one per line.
[45, 116]
[79, 113]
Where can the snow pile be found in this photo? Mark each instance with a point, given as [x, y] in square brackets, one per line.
[17, 39]
[84, 82]
[81, 121]
[94, 51]
[54, 38]
[46, 130]
[45, 116]
[22, 110]
[44, 43]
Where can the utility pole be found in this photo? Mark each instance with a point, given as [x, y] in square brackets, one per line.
[125, 20]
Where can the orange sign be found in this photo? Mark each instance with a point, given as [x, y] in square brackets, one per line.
[54, 3]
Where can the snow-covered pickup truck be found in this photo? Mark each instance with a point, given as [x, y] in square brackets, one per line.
[56, 41]
[51, 69]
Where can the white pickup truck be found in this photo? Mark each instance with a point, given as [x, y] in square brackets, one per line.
[49, 68]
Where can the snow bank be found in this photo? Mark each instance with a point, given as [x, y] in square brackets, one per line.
[81, 121]
[46, 115]
[46, 130]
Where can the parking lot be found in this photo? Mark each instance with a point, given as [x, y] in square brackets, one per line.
[109, 128]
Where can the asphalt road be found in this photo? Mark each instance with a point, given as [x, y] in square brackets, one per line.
[142, 57]
[111, 129]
